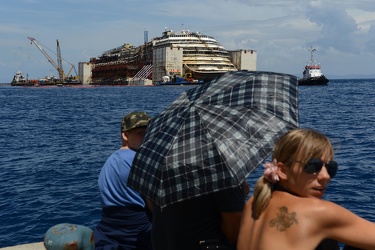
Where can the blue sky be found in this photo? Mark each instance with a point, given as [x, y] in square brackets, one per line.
[281, 31]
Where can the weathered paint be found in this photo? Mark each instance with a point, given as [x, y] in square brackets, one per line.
[69, 236]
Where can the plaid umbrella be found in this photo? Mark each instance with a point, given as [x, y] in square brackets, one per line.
[213, 136]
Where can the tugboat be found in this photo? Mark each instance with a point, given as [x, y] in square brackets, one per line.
[312, 75]
[20, 80]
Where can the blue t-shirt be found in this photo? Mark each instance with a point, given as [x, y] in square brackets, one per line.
[113, 180]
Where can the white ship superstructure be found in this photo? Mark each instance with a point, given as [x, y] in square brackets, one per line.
[202, 56]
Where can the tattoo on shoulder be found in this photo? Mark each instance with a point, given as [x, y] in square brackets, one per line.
[284, 219]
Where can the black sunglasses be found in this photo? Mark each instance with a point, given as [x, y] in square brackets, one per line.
[314, 166]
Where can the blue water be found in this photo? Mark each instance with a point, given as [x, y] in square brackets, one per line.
[53, 142]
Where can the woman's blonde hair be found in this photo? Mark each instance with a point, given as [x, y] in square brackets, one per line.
[305, 143]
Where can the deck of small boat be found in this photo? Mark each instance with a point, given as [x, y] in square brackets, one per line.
[32, 246]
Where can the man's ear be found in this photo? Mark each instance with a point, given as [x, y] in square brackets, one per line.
[282, 172]
[124, 136]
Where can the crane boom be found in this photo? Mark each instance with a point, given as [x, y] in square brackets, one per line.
[59, 60]
[58, 66]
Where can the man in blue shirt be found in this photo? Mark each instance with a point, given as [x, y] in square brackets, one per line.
[125, 221]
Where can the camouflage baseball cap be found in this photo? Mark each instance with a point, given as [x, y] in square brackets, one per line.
[134, 120]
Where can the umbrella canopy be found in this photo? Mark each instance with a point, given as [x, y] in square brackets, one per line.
[213, 136]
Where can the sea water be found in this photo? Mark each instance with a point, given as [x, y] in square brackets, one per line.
[54, 141]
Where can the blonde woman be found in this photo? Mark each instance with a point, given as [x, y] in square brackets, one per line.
[286, 210]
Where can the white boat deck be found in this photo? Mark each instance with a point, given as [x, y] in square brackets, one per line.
[32, 246]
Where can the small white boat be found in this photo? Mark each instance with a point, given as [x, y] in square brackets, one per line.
[49, 80]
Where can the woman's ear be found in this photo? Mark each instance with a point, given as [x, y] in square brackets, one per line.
[282, 172]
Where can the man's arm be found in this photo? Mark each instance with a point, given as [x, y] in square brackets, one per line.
[231, 203]
[230, 225]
